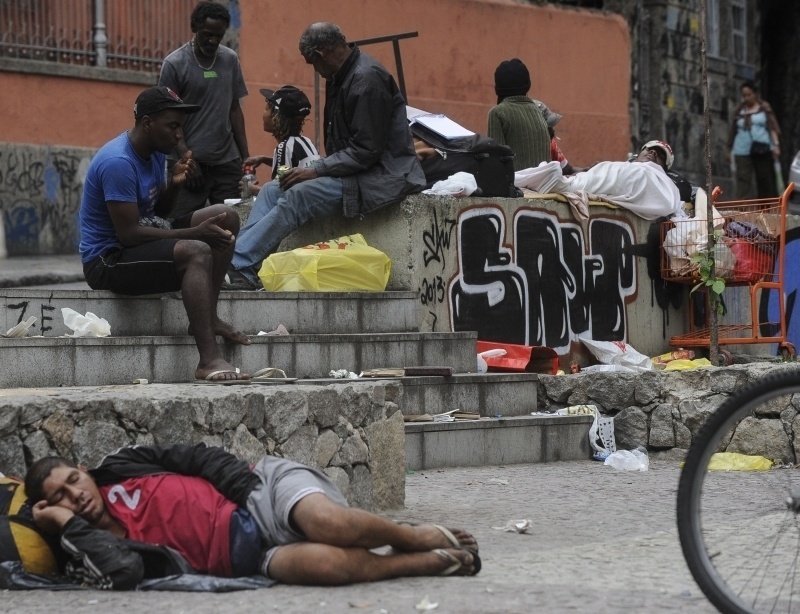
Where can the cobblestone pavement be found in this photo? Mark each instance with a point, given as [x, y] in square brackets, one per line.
[602, 541]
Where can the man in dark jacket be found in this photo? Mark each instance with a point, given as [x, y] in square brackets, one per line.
[284, 520]
[370, 161]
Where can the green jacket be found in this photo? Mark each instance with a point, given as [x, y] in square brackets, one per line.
[518, 123]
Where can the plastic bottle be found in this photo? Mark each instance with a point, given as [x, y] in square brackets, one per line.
[247, 179]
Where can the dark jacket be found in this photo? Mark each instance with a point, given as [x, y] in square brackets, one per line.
[367, 139]
[229, 475]
[102, 560]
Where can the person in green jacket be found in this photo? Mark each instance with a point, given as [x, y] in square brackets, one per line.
[516, 121]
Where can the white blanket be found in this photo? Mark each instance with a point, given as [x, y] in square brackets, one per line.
[641, 187]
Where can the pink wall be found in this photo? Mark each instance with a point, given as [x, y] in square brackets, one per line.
[40, 109]
[579, 63]
[579, 60]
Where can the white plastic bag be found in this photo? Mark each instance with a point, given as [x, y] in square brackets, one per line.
[88, 325]
[628, 460]
[482, 366]
[617, 353]
[458, 184]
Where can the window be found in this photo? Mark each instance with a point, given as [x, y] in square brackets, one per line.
[712, 28]
[739, 30]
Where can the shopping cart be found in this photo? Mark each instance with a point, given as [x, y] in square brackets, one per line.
[748, 252]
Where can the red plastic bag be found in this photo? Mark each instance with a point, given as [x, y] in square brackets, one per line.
[520, 358]
[752, 263]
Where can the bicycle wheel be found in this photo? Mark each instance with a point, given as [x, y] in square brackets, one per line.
[740, 530]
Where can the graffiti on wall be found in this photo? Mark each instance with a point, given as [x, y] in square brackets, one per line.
[40, 192]
[555, 282]
[768, 308]
[436, 243]
[43, 310]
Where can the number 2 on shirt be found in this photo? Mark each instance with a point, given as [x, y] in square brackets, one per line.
[117, 491]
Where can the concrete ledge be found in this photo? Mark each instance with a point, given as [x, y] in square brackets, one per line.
[61, 361]
[489, 394]
[353, 433]
[520, 439]
[395, 230]
[299, 312]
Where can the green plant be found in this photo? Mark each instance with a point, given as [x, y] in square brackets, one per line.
[713, 283]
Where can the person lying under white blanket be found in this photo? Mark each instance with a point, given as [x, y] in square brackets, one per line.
[642, 185]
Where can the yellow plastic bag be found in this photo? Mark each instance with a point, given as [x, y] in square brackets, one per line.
[338, 265]
[733, 461]
[685, 364]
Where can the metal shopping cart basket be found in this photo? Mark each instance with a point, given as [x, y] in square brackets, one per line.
[748, 253]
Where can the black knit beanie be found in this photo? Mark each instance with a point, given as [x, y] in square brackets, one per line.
[511, 78]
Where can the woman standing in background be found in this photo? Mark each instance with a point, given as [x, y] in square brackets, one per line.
[754, 141]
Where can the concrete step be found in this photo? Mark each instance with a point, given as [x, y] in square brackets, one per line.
[504, 441]
[489, 394]
[63, 361]
[251, 312]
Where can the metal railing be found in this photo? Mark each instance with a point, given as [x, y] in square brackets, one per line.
[126, 34]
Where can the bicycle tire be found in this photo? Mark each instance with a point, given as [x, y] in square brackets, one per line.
[744, 552]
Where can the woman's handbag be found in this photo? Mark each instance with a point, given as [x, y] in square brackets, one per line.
[759, 149]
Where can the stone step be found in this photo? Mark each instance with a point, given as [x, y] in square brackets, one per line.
[504, 441]
[488, 394]
[251, 312]
[64, 361]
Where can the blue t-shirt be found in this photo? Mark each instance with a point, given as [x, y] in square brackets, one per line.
[117, 173]
[759, 131]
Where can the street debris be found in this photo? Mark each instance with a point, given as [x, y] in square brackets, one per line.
[516, 526]
[426, 605]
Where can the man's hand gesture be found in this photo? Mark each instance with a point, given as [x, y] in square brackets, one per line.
[184, 169]
[211, 233]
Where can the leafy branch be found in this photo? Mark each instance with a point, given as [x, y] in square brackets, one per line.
[706, 271]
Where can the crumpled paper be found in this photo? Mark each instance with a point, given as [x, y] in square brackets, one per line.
[20, 330]
[426, 604]
[458, 184]
[516, 526]
[280, 330]
[88, 325]
[342, 374]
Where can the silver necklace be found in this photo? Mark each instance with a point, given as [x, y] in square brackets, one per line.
[194, 55]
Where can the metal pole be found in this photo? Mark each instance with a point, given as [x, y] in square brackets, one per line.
[318, 130]
[401, 80]
[713, 349]
[99, 38]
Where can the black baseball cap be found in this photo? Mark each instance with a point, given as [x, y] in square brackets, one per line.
[160, 98]
[288, 100]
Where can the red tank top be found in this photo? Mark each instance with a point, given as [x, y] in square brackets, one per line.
[184, 513]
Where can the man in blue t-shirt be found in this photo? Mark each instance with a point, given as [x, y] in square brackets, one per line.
[127, 245]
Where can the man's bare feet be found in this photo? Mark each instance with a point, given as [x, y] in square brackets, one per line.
[225, 371]
[453, 562]
[431, 536]
[227, 331]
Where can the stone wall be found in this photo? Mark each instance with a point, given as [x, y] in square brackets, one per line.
[664, 410]
[353, 432]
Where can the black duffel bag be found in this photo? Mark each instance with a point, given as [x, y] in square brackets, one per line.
[491, 163]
